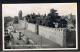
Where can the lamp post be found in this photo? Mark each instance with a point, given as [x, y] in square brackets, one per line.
[37, 26]
[25, 23]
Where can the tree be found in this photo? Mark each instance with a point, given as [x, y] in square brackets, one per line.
[7, 19]
[16, 20]
[53, 18]
[62, 23]
[72, 19]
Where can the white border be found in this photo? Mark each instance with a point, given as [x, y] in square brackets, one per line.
[42, 48]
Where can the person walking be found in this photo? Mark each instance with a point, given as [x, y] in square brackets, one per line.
[20, 36]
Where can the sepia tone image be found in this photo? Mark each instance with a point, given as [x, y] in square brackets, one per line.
[39, 26]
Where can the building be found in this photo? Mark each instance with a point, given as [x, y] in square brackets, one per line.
[20, 14]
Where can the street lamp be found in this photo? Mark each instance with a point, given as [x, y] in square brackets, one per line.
[37, 26]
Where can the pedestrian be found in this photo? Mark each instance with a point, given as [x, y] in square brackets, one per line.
[20, 36]
[10, 28]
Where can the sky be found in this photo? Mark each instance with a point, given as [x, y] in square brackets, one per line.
[42, 8]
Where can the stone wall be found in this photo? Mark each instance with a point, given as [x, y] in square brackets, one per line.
[31, 27]
[57, 35]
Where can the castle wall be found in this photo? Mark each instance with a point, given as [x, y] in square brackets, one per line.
[54, 34]
[57, 35]
[31, 27]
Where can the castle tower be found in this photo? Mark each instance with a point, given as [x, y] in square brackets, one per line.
[20, 14]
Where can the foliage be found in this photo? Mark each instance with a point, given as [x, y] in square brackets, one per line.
[16, 20]
[47, 20]
[7, 19]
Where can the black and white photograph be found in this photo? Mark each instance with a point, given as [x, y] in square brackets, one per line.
[40, 26]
